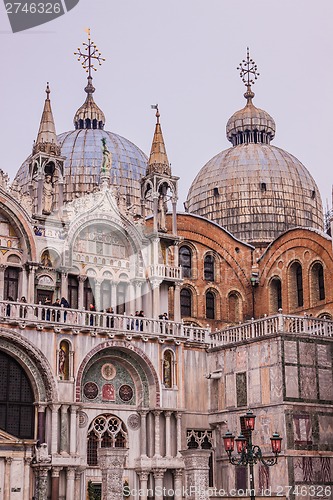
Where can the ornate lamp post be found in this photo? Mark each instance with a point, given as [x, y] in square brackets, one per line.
[249, 454]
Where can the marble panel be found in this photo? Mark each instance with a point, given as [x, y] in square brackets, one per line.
[290, 352]
[325, 384]
[265, 385]
[264, 353]
[276, 383]
[241, 359]
[291, 376]
[325, 423]
[254, 386]
[307, 353]
[230, 390]
[308, 383]
[324, 355]
[254, 356]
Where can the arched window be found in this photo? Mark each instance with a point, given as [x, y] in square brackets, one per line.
[209, 268]
[210, 305]
[106, 294]
[89, 293]
[168, 369]
[17, 409]
[11, 283]
[185, 303]
[185, 260]
[105, 431]
[296, 284]
[275, 295]
[235, 307]
[317, 282]
[64, 360]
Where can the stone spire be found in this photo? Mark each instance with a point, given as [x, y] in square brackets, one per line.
[158, 160]
[46, 141]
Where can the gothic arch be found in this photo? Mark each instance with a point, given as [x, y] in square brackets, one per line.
[134, 352]
[34, 362]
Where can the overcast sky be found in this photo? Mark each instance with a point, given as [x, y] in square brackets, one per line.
[181, 54]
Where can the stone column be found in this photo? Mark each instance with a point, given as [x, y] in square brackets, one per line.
[82, 279]
[158, 476]
[155, 283]
[131, 298]
[64, 429]
[31, 285]
[78, 479]
[98, 295]
[197, 473]
[174, 216]
[143, 433]
[157, 433]
[72, 436]
[179, 433]
[61, 197]
[3, 268]
[178, 483]
[54, 429]
[176, 303]
[6, 482]
[138, 295]
[155, 211]
[41, 423]
[143, 478]
[70, 483]
[55, 483]
[111, 462]
[114, 298]
[167, 434]
[41, 483]
[64, 284]
[26, 485]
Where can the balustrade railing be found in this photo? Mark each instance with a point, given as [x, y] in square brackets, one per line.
[164, 271]
[100, 321]
[280, 323]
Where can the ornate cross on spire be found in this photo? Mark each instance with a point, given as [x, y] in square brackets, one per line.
[248, 73]
[90, 54]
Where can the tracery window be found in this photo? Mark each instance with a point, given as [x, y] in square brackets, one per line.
[210, 305]
[185, 260]
[185, 303]
[105, 431]
[17, 411]
[209, 268]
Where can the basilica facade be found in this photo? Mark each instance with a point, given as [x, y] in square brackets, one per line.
[133, 337]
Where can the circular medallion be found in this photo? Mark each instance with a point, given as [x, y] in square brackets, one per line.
[134, 421]
[108, 371]
[83, 419]
[125, 393]
[90, 390]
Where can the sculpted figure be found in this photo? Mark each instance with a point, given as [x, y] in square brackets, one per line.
[107, 158]
[161, 212]
[48, 191]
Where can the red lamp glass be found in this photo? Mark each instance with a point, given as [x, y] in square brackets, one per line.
[241, 443]
[276, 443]
[229, 441]
[249, 420]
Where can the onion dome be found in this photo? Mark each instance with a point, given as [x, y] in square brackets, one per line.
[255, 190]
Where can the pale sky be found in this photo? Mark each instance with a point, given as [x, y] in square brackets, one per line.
[183, 55]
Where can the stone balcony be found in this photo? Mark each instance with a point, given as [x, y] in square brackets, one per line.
[279, 323]
[113, 325]
[164, 272]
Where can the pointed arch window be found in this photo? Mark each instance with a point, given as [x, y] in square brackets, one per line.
[185, 260]
[210, 305]
[105, 431]
[209, 268]
[185, 303]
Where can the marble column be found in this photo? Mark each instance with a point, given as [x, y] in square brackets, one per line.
[3, 268]
[174, 216]
[54, 428]
[70, 483]
[155, 212]
[72, 435]
[197, 473]
[41, 423]
[178, 484]
[31, 285]
[167, 415]
[6, 482]
[179, 433]
[41, 483]
[82, 279]
[55, 472]
[159, 476]
[176, 303]
[143, 433]
[98, 295]
[64, 429]
[64, 284]
[27, 474]
[78, 480]
[143, 478]
[155, 283]
[157, 433]
[111, 462]
[114, 298]
[138, 295]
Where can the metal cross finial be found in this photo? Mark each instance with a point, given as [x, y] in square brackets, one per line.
[248, 70]
[89, 55]
[155, 106]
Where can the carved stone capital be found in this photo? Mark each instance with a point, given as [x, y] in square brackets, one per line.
[143, 475]
[167, 414]
[82, 278]
[55, 471]
[159, 473]
[71, 473]
[64, 409]
[178, 473]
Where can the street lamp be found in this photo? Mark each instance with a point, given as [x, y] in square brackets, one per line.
[250, 454]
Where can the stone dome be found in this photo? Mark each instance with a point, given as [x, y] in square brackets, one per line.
[82, 149]
[255, 190]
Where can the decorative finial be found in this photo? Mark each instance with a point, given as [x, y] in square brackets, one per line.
[248, 73]
[155, 106]
[90, 54]
[48, 91]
